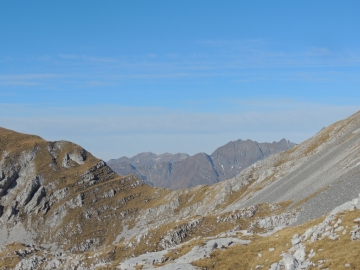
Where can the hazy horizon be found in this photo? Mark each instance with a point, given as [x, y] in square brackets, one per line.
[120, 78]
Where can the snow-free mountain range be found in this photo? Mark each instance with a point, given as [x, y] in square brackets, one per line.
[62, 208]
[176, 171]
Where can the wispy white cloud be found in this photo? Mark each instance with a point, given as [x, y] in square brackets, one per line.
[319, 51]
[152, 55]
[29, 79]
[27, 76]
[68, 56]
[99, 84]
[44, 58]
[243, 61]
[100, 59]
[239, 44]
[20, 83]
[86, 58]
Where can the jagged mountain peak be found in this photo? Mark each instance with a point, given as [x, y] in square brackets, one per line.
[182, 171]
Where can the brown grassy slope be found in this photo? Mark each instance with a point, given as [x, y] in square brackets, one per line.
[14, 140]
[107, 215]
[334, 253]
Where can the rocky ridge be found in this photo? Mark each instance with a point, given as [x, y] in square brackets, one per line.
[299, 247]
[295, 257]
[177, 171]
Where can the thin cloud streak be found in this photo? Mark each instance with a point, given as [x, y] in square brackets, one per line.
[27, 76]
[100, 59]
[232, 59]
[28, 79]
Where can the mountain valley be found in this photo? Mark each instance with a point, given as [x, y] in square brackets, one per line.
[62, 208]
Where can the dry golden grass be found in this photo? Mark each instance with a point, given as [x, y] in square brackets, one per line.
[325, 135]
[131, 223]
[193, 196]
[337, 253]
[208, 227]
[247, 256]
[8, 258]
[283, 158]
[292, 150]
[17, 142]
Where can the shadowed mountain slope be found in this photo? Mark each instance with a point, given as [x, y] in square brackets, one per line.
[182, 171]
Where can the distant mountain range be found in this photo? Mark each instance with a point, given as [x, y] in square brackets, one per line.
[177, 171]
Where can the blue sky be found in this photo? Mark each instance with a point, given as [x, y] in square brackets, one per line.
[123, 77]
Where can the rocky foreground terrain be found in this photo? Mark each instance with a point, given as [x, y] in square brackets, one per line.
[177, 171]
[62, 208]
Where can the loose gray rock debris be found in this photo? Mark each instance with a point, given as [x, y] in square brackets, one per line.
[177, 266]
[296, 257]
[275, 221]
[175, 237]
[148, 260]
[52, 260]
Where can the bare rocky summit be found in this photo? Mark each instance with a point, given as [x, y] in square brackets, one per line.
[177, 171]
[62, 208]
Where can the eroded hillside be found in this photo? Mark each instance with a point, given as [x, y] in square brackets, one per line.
[57, 194]
[62, 207]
